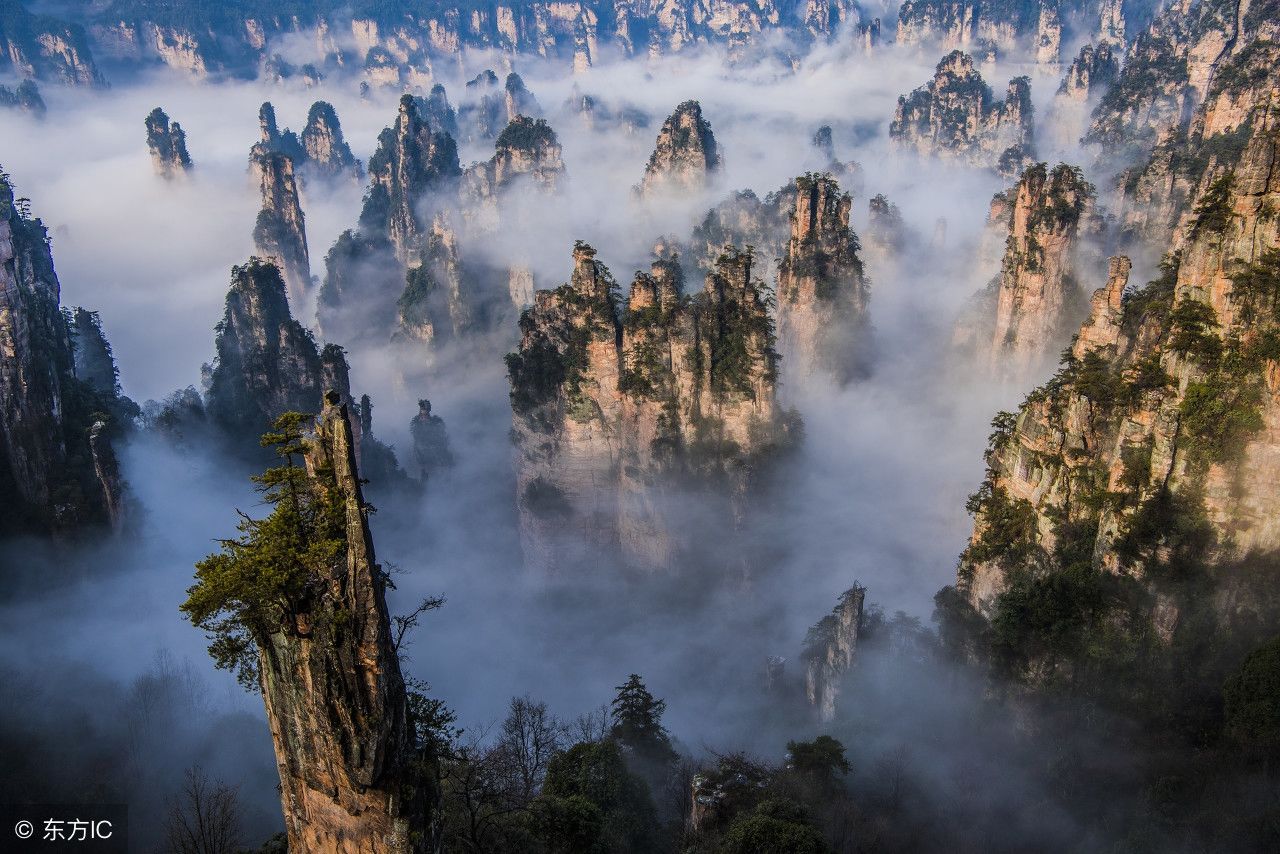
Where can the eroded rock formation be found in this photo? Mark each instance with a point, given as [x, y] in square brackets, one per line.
[980, 24]
[1153, 456]
[280, 234]
[327, 152]
[1027, 314]
[335, 698]
[956, 115]
[1189, 153]
[830, 652]
[685, 156]
[45, 48]
[167, 143]
[266, 363]
[616, 412]
[1090, 73]
[412, 160]
[525, 147]
[48, 460]
[822, 293]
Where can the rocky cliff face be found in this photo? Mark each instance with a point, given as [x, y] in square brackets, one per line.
[266, 363]
[436, 304]
[25, 97]
[685, 156]
[994, 27]
[1144, 475]
[412, 160]
[47, 412]
[46, 48]
[955, 115]
[527, 152]
[327, 152]
[280, 235]
[1169, 68]
[1090, 73]
[1029, 312]
[336, 701]
[398, 43]
[1155, 196]
[525, 147]
[822, 293]
[830, 652]
[617, 411]
[167, 143]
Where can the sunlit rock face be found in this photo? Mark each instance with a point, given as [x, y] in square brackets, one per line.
[56, 463]
[327, 152]
[347, 780]
[167, 143]
[1227, 68]
[279, 235]
[1156, 448]
[1170, 68]
[822, 294]
[617, 413]
[1026, 316]
[412, 160]
[956, 116]
[1090, 73]
[986, 25]
[46, 48]
[685, 156]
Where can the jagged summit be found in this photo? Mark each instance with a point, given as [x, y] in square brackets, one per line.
[1027, 314]
[327, 152]
[956, 115]
[167, 143]
[272, 139]
[822, 293]
[58, 471]
[1092, 71]
[685, 155]
[279, 234]
[412, 159]
[617, 399]
[266, 363]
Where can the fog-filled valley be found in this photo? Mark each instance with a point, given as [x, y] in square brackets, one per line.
[860, 436]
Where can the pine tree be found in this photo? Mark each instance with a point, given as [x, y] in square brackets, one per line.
[261, 580]
[637, 723]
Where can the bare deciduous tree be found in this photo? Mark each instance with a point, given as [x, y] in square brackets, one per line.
[592, 726]
[204, 818]
[530, 737]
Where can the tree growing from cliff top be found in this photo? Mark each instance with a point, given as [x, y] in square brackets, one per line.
[258, 582]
